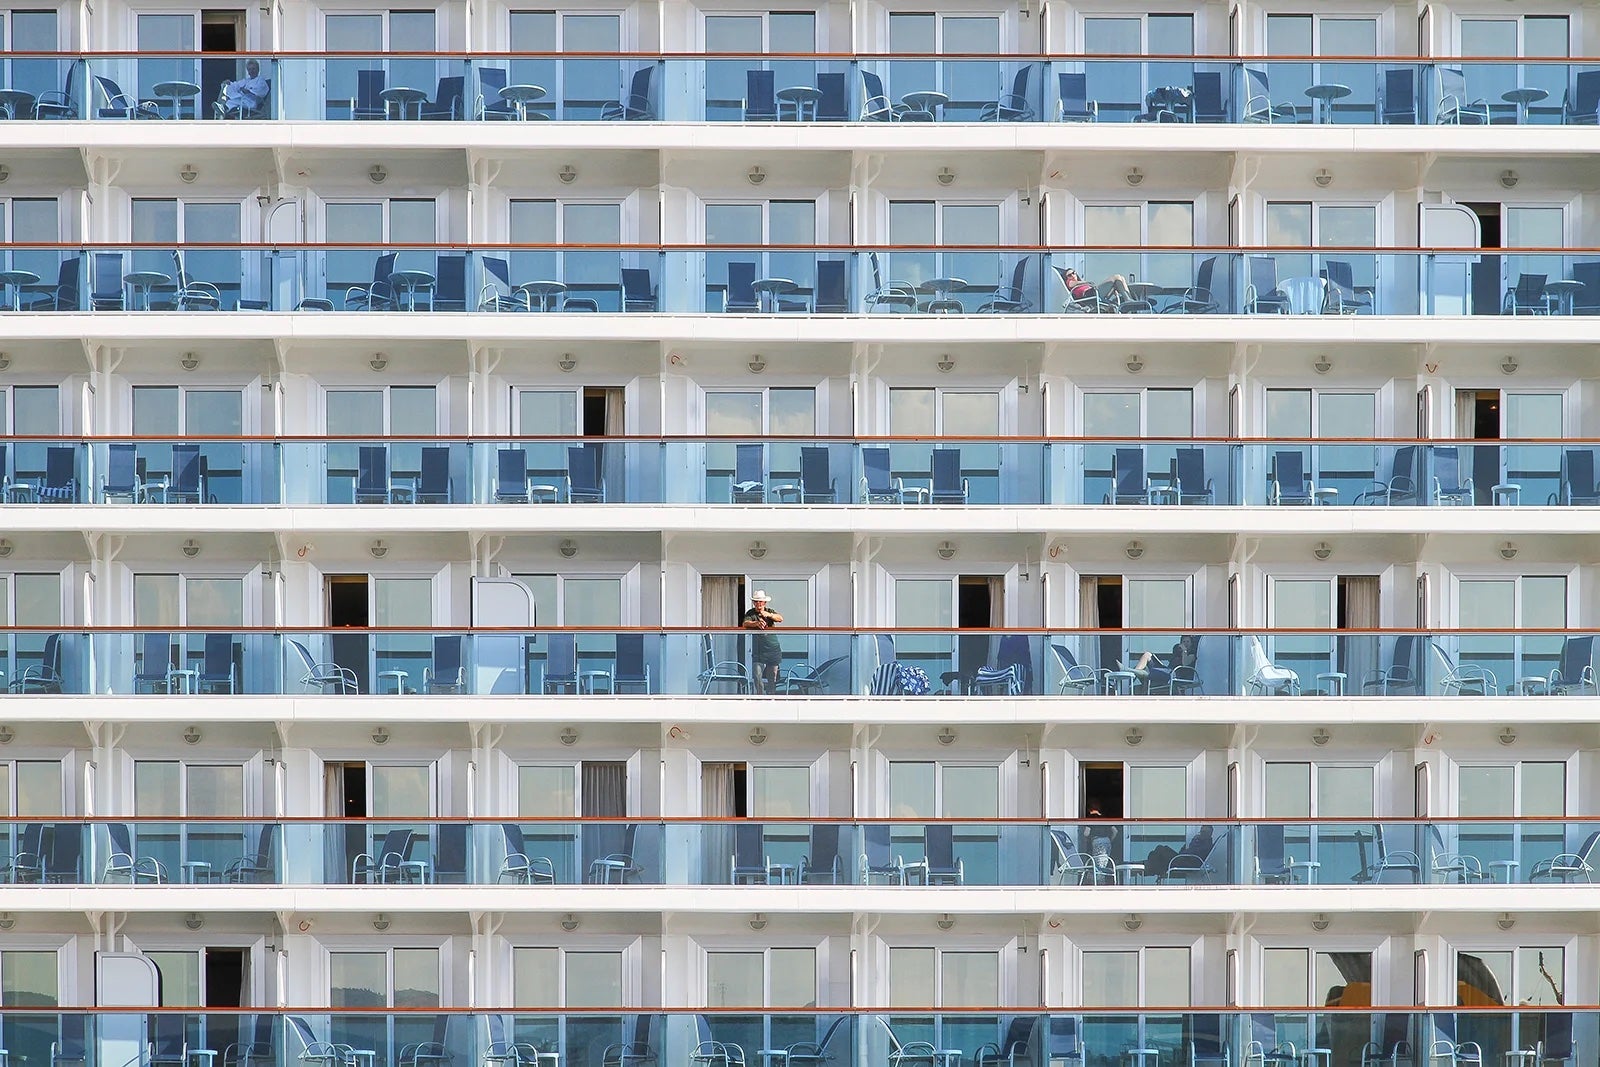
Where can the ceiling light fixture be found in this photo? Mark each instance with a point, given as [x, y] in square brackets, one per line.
[380, 922]
[568, 547]
[1321, 737]
[190, 548]
[1132, 922]
[569, 922]
[1322, 550]
[7, 735]
[1508, 550]
[376, 174]
[380, 736]
[1322, 178]
[1509, 365]
[6, 547]
[192, 735]
[1509, 178]
[945, 364]
[5, 360]
[7, 920]
[194, 920]
[566, 363]
[758, 921]
[756, 364]
[1133, 549]
[1507, 737]
[568, 174]
[946, 176]
[189, 361]
[5, 172]
[1320, 922]
[756, 176]
[378, 549]
[947, 736]
[1134, 737]
[569, 737]
[1134, 177]
[1135, 364]
[1322, 365]
[1506, 920]
[188, 174]
[757, 549]
[378, 362]
[945, 921]
[758, 736]
[946, 550]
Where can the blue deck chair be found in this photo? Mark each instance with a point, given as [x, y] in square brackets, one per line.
[121, 479]
[254, 1046]
[1446, 1047]
[1207, 101]
[1350, 297]
[1208, 1041]
[638, 291]
[1128, 485]
[1401, 673]
[612, 846]
[71, 1044]
[44, 676]
[741, 292]
[65, 864]
[491, 105]
[1586, 301]
[877, 856]
[630, 668]
[760, 100]
[1579, 486]
[167, 1047]
[1393, 1044]
[1015, 106]
[1261, 294]
[372, 475]
[191, 294]
[1581, 106]
[878, 486]
[218, 671]
[1453, 108]
[433, 480]
[817, 484]
[1399, 104]
[123, 864]
[1575, 673]
[1448, 485]
[833, 288]
[1068, 866]
[636, 106]
[1385, 861]
[1290, 482]
[1011, 298]
[447, 673]
[823, 862]
[154, 667]
[64, 297]
[60, 485]
[450, 286]
[1200, 298]
[1258, 105]
[1557, 1045]
[1075, 677]
[59, 103]
[496, 293]
[1401, 486]
[584, 480]
[322, 677]
[1065, 1042]
[186, 485]
[875, 103]
[940, 865]
[447, 99]
[832, 104]
[1527, 296]
[28, 862]
[383, 864]
[511, 483]
[1075, 103]
[749, 474]
[255, 866]
[106, 291]
[1193, 485]
[369, 102]
[561, 665]
[748, 864]
[1201, 859]
[116, 104]
[519, 864]
[1569, 865]
[947, 485]
[379, 295]
[1264, 1048]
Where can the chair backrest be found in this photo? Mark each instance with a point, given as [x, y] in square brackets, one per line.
[67, 282]
[72, 1045]
[876, 843]
[450, 284]
[741, 284]
[833, 288]
[435, 474]
[1444, 1026]
[1263, 274]
[301, 1029]
[1256, 81]
[1404, 468]
[490, 81]
[629, 666]
[939, 846]
[1270, 846]
[1205, 1032]
[1208, 95]
[122, 461]
[1587, 273]
[1405, 655]
[1586, 850]
[562, 662]
[1127, 466]
[1586, 92]
[824, 847]
[60, 466]
[1290, 471]
[512, 471]
[1400, 93]
[1577, 471]
[449, 93]
[167, 1038]
[1064, 654]
[946, 473]
[499, 271]
[450, 852]
[814, 473]
[155, 655]
[1062, 845]
[396, 843]
[583, 468]
[186, 469]
[372, 469]
[107, 276]
[1447, 467]
[1191, 469]
[1340, 273]
[1064, 1039]
[217, 659]
[1019, 275]
[447, 657]
[1557, 1043]
[747, 463]
[831, 104]
[369, 84]
[635, 284]
[760, 101]
[1074, 87]
[121, 840]
[109, 89]
[382, 267]
[639, 87]
[516, 844]
[748, 842]
[1576, 654]
[1530, 288]
[875, 465]
[873, 85]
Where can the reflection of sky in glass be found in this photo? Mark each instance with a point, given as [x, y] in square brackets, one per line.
[1110, 979]
[911, 974]
[969, 979]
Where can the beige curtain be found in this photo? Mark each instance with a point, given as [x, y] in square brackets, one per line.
[1089, 602]
[614, 464]
[605, 795]
[717, 802]
[1359, 653]
[720, 606]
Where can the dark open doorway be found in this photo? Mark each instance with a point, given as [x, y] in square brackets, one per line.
[221, 37]
[348, 609]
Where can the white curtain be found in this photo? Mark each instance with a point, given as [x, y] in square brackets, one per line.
[1359, 654]
[720, 606]
[717, 801]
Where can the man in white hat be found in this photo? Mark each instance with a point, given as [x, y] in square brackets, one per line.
[768, 654]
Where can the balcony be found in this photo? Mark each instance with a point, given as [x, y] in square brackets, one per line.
[802, 853]
[727, 663]
[804, 88]
[806, 280]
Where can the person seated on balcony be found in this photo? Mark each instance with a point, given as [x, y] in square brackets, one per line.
[247, 93]
[1182, 655]
[1113, 291]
